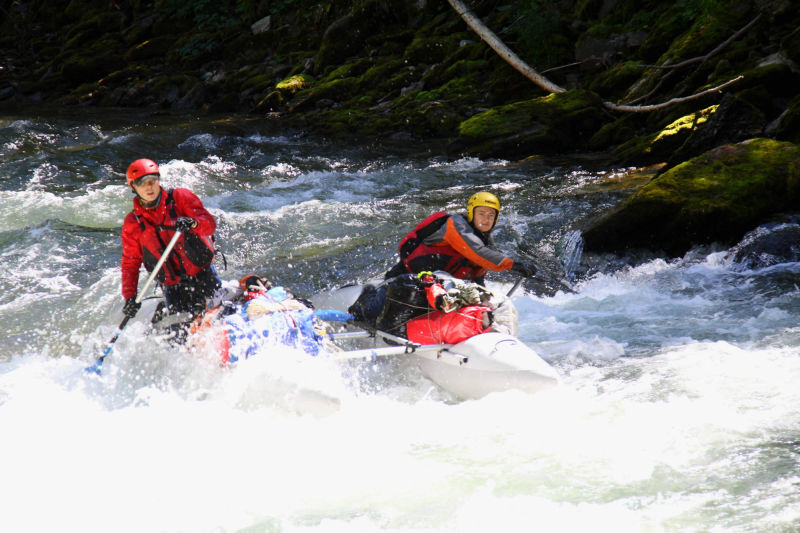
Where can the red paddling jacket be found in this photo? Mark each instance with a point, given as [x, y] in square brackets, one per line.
[146, 232]
[453, 246]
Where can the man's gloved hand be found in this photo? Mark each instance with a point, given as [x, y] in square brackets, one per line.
[525, 269]
[185, 223]
[131, 307]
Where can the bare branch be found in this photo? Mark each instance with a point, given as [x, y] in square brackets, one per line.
[715, 51]
[568, 65]
[654, 89]
[673, 101]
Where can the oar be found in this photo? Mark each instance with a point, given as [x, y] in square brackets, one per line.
[95, 368]
[516, 286]
[551, 276]
[548, 271]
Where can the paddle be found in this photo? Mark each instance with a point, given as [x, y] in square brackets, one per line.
[545, 273]
[516, 286]
[95, 368]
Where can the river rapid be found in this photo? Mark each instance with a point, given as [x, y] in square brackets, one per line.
[678, 411]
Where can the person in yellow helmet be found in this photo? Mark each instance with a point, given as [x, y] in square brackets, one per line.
[458, 244]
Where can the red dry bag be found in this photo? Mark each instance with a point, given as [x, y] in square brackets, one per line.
[449, 328]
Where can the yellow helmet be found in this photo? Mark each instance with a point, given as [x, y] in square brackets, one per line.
[479, 199]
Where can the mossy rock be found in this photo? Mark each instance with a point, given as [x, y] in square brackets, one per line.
[272, 102]
[658, 146]
[261, 82]
[77, 9]
[703, 36]
[613, 82]
[195, 48]
[351, 69]
[557, 122]
[715, 197]
[587, 9]
[429, 50]
[440, 119]
[614, 133]
[151, 48]
[445, 72]
[336, 90]
[108, 22]
[788, 127]
[380, 72]
[777, 78]
[83, 68]
[349, 122]
[295, 84]
[346, 36]
[791, 46]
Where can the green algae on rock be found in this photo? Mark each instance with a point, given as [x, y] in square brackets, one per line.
[715, 197]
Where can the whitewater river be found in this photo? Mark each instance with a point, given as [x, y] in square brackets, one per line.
[678, 411]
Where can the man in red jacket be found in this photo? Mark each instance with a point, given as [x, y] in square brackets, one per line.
[187, 277]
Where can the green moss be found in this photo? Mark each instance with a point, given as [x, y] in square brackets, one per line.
[379, 73]
[661, 144]
[788, 128]
[741, 175]
[714, 197]
[344, 122]
[614, 81]
[92, 62]
[685, 124]
[337, 90]
[705, 34]
[430, 50]
[152, 48]
[294, 84]
[350, 69]
[777, 79]
[614, 133]
[507, 119]
[258, 82]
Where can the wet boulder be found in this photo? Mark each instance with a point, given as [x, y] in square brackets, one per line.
[767, 245]
[715, 197]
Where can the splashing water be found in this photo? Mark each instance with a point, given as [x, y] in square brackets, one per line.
[678, 408]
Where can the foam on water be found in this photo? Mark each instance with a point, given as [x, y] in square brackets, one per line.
[655, 444]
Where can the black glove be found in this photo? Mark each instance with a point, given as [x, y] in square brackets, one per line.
[185, 223]
[131, 307]
[525, 269]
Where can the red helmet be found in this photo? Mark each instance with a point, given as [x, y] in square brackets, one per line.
[139, 168]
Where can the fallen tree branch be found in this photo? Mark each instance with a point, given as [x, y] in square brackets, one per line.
[514, 60]
[673, 101]
[502, 50]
